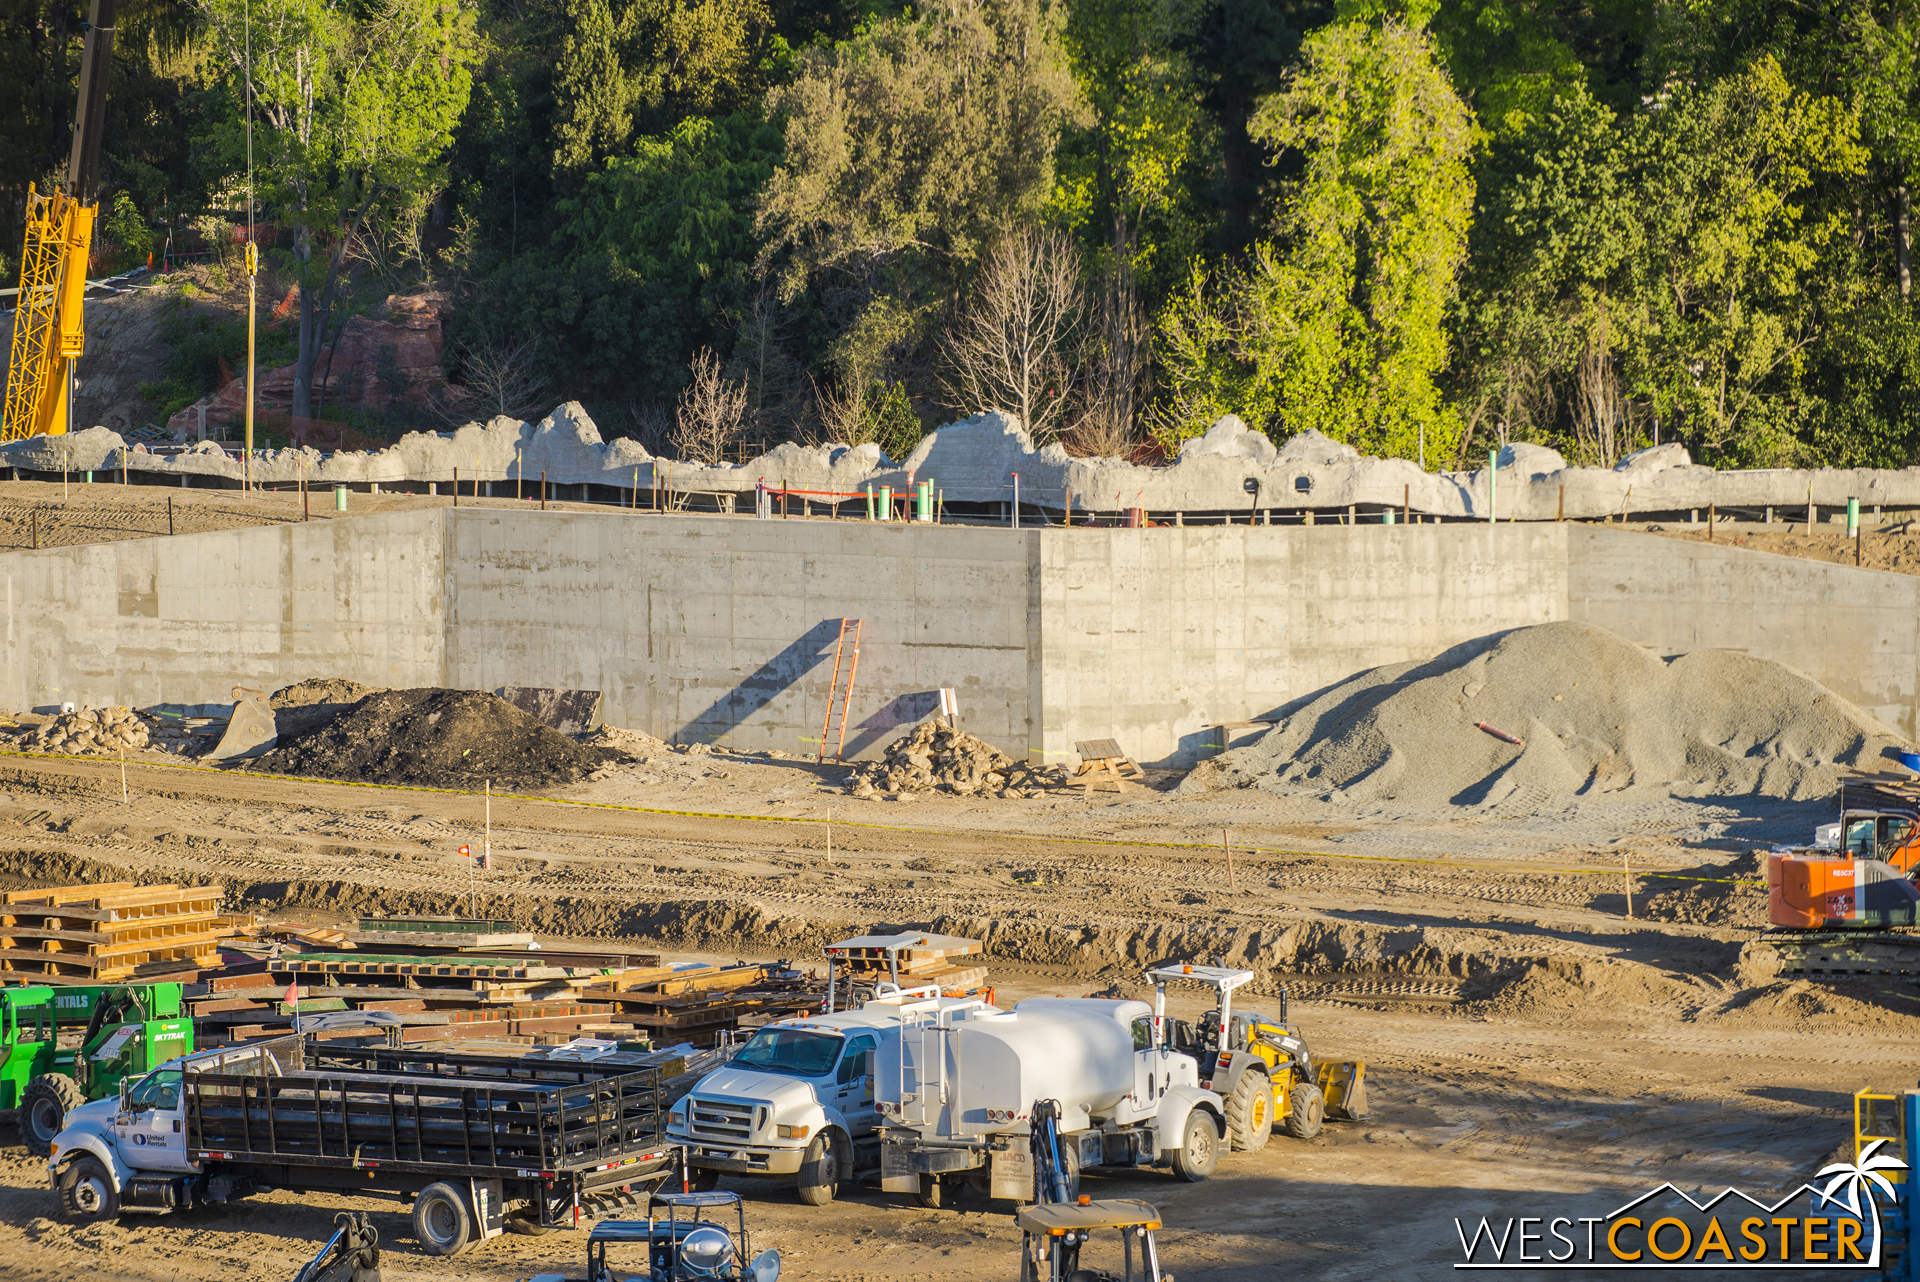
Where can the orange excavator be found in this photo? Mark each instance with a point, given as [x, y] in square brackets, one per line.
[49, 333]
[1837, 906]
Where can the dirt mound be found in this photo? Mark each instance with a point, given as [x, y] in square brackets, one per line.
[439, 739]
[1595, 714]
[308, 705]
[1557, 985]
[320, 690]
[934, 758]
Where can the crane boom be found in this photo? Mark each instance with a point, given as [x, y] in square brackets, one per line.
[49, 330]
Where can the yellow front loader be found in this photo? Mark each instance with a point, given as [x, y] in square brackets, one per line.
[49, 329]
[1260, 1066]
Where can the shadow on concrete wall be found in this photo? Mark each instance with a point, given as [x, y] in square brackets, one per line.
[904, 710]
[764, 685]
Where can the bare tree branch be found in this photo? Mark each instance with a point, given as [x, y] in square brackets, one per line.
[711, 412]
[1011, 349]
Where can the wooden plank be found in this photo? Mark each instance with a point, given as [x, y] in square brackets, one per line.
[64, 894]
[115, 933]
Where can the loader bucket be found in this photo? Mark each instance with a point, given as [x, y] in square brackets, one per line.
[1344, 1086]
[250, 730]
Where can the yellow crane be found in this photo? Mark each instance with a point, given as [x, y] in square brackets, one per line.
[49, 330]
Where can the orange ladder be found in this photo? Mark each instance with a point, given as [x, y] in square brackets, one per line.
[834, 693]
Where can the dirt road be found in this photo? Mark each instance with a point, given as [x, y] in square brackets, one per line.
[1531, 1049]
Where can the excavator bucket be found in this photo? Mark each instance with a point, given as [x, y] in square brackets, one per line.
[250, 730]
[1344, 1087]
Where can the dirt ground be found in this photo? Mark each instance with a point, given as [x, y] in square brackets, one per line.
[1890, 545]
[1531, 1049]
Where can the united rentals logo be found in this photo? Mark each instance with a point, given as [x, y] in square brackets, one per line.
[1715, 1234]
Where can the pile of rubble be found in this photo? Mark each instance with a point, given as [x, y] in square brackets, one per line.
[935, 758]
[92, 731]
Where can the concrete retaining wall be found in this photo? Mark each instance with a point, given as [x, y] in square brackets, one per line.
[1855, 631]
[723, 629]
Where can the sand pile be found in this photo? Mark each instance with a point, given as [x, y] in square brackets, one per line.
[934, 758]
[1597, 714]
[440, 739]
[90, 732]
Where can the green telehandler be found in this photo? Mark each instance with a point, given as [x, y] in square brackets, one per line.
[64, 1046]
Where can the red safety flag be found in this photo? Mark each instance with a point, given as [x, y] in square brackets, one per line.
[465, 851]
[293, 992]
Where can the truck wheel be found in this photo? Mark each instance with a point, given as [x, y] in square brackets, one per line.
[1199, 1150]
[703, 1181]
[44, 1106]
[441, 1224]
[937, 1191]
[819, 1176]
[1308, 1108]
[86, 1191]
[1250, 1112]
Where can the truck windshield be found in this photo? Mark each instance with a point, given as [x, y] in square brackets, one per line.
[159, 1090]
[796, 1052]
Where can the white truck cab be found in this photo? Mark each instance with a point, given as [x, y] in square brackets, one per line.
[798, 1099]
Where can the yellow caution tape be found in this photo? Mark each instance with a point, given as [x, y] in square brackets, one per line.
[874, 827]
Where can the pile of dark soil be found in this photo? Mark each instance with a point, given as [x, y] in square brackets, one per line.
[437, 739]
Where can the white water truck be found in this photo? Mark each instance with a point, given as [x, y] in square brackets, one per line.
[957, 1099]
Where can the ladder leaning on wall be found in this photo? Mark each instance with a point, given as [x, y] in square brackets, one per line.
[849, 655]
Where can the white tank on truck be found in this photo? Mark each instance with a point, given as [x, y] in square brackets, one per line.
[957, 1100]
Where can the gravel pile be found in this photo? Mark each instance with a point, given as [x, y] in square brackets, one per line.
[91, 732]
[1597, 714]
[438, 739]
[936, 759]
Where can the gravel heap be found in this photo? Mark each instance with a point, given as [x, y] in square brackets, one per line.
[438, 739]
[1598, 714]
[936, 759]
[91, 731]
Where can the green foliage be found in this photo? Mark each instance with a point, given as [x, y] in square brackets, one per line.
[890, 420]
[124, 228]
[1340, 324]
[917, 138]
[208, 353]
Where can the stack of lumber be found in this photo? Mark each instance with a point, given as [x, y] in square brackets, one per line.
[922, 959]
[696, 1003]
[453, 979]
[113, 931]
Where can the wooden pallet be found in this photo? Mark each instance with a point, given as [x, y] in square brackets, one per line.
[113, 931]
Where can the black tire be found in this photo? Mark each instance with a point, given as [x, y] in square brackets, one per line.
[700, 1180]
[1306, 1110]
[86, 1191]
[526, 1223]
[441, 1222]
[819, 1177]
[44, 1106]
[1250, 1112]
[1070, 1165]
[1199, 1150]
[937, 1191]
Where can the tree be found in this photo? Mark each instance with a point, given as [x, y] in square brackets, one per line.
[922, 137]
[710, 413]
[1339, 323]
[353, 105]
[1011, 349]
[648, 64]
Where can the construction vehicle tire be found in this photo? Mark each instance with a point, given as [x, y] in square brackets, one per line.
[44, 1106]
[441, 1223]
[819, 1176]
[1307, 1109]
[526, 1223]
[86, 1191]
[1250, 1112]
[1199, 1150]
[937, 1191]
[702, 1181]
